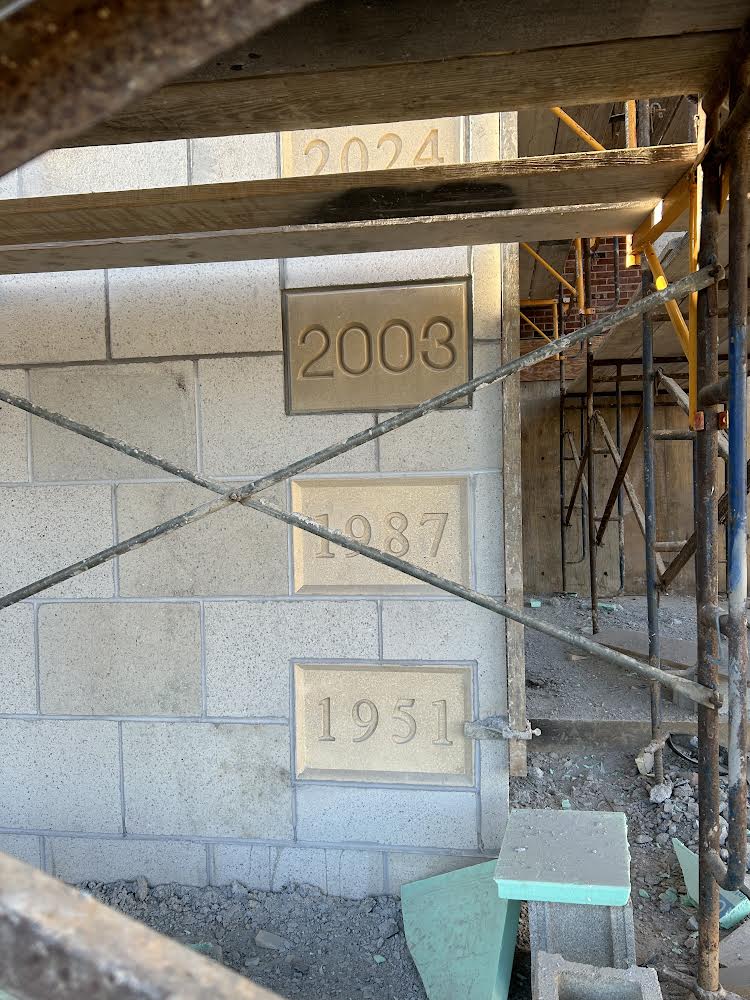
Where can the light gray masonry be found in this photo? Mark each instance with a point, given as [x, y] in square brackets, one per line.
[557, 979]
[146, 719]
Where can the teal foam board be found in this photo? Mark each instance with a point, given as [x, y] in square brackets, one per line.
[461, 936]
[566, 856]
[733, 906]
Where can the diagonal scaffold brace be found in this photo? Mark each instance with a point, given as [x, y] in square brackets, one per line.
[244, 495]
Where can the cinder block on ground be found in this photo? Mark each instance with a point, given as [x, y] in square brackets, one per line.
[25, 848]
[120, 659]
[219, 159]
[48, 527]
[204, 779]
[387, 816]
[452, 439]
[195, 309]
[246, 429]
[560, 980]
[595, 935]
[236, 551]
[151, 406]
[405, 867]
[270, 634]
[59, 775]
[455, 631]
[567, 856]
[735, 948]
[57, 316]
[14, 464]
[78, 859]
[86, 169]
[17, 668]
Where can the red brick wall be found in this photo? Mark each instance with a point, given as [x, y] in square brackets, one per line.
[602, 300]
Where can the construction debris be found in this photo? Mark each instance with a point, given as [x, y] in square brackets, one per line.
[560, 980]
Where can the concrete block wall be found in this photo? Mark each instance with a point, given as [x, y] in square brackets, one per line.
[145, 706]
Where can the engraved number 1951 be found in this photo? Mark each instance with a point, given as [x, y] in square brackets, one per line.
[366, 717]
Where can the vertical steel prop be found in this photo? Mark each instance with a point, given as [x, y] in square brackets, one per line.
[561, 420]
[618, 441]
[737, 488]
[590, 442]
[643, 127]
[707, 579]
[736, 626]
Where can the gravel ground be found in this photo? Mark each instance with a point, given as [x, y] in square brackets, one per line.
[301, 943]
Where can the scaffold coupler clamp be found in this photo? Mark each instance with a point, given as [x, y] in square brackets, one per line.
[496, 727]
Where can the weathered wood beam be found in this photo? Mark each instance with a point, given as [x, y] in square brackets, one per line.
[350, 62]
[67, 64]
[449, 205]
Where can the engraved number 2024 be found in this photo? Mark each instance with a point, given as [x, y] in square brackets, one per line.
[395, 348]
[366, 716]
[356, 156]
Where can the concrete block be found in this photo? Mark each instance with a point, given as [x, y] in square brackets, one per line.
[203, 779]
[49, 527]
[486, 267]
[57, 775]
[735, 947]
[9, 185]
[148, 405]
[561, 980]
[484, 138]
[120, 659]
[246, 429]
[85, 169]
[14, 463]
[17, 659]
[596, 935]
[76, 859]
[220, 159]
[570, 856]
[58, 316]
[376, 268]
[405, 867]
[494, 793]
[447, 631]
[387, 816]
[195, 309]
[489, 534]
[270, 634]
[452, 439]
[736, 980]
[25, 848]
[350, 874]
[354, 874]
[234, 551]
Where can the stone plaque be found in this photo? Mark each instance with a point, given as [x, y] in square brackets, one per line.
[423, 519]
[372, 147]
[383, 722]
[384, 347]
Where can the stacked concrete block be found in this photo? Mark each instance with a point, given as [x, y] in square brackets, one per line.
[557, 979]
[148, 721]
[595, 935]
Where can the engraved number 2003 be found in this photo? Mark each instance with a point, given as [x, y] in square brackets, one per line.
[366, 717]
[394, 348]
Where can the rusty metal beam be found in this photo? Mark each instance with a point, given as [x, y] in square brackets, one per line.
[66, 65]
[58, 944]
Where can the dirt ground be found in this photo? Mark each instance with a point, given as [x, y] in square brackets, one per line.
[301, 943]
